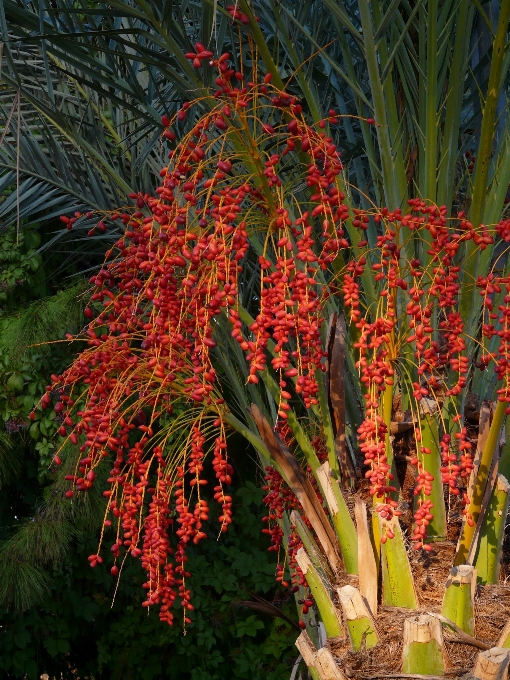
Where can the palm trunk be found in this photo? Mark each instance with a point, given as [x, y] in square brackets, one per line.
[380, 611]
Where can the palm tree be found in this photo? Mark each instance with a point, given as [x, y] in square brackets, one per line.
[399, 242]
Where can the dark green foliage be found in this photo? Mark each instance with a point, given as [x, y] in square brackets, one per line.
[19, 262]
[32, 346]
[75, 631]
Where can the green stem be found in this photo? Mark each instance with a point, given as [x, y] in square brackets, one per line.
[342, 520]
[397, 577]
[347, 537]
[489, 116]
[432, 464]
[387, 408]
[244, 136]
[262, 45]
[430, 146]
[327, 425]
[504, 461]
[321, 593]
[245, 431]
[481, 173]
[423, 646]
[359, 623]
[491, 537]
[459, 600]
[449, 146]
[475, 503]
[308, 540]
[383, 135]
[394, 120]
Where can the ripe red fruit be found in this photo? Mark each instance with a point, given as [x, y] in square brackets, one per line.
[225, 166]
[114, 571]
[165, 120]
[370, 121]
[291, 372]
[302, 625]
